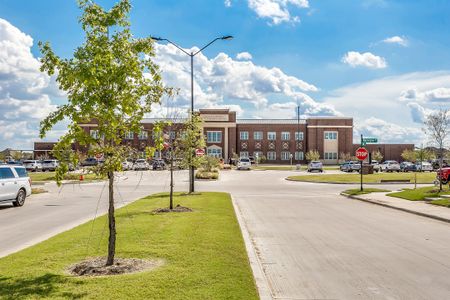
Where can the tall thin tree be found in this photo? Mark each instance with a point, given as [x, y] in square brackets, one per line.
[110, 81]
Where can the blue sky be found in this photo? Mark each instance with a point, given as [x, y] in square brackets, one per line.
[385, 63]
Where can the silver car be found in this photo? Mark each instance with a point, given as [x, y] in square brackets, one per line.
[50, 165]
[390, 166]
[15, 185]
[244, 164]
[141, 164]
[315, 166]
[32, 165]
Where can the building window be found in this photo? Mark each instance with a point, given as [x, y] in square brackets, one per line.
[214, 136]
[331, 135]
[285, 155]
[258, 135]
[214, 152]
[285, 136]
[271, 136]
[94, 134]
[243, 154]
[129, 135]
[143, 135]
[298, 155]
[244, 135]
[271, 155]
[299, 136]
[330, 155]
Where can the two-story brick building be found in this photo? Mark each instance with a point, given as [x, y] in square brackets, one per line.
[279, 140]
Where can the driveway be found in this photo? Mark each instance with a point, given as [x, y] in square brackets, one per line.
[314, 244]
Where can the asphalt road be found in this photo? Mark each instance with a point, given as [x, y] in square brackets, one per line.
[310, 242]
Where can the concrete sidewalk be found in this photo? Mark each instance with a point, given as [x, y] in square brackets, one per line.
[421, 208]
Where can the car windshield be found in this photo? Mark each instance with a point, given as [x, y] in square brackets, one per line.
[140, 160]
[48, 161]
[245, 160]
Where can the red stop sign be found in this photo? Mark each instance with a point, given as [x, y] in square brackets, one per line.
[199, 152]
[361, 153]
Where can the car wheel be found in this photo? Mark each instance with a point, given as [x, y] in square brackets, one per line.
[20, 199]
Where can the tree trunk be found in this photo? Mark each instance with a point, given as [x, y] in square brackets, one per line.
[441, 152]
[171, 180]
[112, 222]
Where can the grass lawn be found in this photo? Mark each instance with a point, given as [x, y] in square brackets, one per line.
[420, 193]
[204, 253]
[355, 192]
[371, 178]
[50, 176]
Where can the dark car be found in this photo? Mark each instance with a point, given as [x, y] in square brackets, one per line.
[410, 168]
[158, 164]
[406, 166]
[89, 162]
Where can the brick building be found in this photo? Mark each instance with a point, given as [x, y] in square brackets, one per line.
[278, 140]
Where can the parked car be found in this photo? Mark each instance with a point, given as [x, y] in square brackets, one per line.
[410, 168]
[252, 159]
[14, 162]
[89, 162]
[435, 163]
[405, 165]
[49, 165]
[376, 166]
[244, 164]
[443, 175]
[424, 167]
[350, 166]
[15, 185]
[158, 164]
[32, 165]
[127, 165]
[315, 166]
[141, 164]
[390, 166]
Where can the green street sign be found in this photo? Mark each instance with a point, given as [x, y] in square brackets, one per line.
[369, 140]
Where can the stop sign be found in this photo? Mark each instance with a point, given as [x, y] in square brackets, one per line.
[99, 155]
[199, 152]
[361, 153]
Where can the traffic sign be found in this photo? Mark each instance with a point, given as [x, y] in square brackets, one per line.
[199, 152]
[361, 153]
[369, 140]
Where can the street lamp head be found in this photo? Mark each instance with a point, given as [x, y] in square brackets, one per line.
[156, 38]
[227, 37]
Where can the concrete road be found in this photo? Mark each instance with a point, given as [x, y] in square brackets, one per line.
[314, 244]
[310, 242]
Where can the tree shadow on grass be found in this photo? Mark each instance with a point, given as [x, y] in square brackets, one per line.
[35, 287]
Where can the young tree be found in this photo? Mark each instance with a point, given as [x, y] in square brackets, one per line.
[409, 155]
[312, 155]
[190, 139]
[376, 155]
[105, 82]
[437, 127]
[345, 156]
[208, 163]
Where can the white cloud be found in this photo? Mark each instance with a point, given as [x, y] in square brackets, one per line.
[223, 81]
[244, 56]
[367, 59]
[277, 10]
[387, 132]
[25, 91]
[438, 95]
[227, 3]
[396, 40]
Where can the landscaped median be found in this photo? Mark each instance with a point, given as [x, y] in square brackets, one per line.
[202, 251]
[355, 192]
[370, 178]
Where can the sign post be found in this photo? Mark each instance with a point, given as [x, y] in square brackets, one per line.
[361, 154]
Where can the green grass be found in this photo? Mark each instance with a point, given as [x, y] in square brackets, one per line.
[204, 253]
[50, 176]
[371, 178]
[355, 192]
[443, 202]
[419, 194]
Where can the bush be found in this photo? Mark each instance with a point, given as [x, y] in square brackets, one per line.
[202, 174]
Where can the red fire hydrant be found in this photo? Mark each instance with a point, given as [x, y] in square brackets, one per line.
[81, 177]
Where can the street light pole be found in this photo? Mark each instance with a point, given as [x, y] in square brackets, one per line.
[191, 55]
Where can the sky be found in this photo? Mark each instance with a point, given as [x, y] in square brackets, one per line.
[383, 62]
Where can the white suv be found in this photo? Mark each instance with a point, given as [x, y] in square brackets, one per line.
[50, 165]
[390, 166]
[244, 163]
[15, 185]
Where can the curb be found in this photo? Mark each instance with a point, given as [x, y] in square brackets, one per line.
[418, 213]
[368, 183]
[259, 276]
